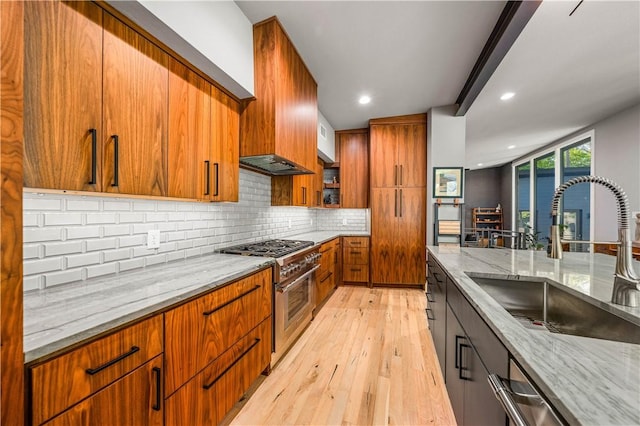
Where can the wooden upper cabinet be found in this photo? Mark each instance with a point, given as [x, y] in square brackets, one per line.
[225, 133]
[135, 112]
[354, 168]
[399, 151]
[189, 130]
[283, 118]
[63, 95]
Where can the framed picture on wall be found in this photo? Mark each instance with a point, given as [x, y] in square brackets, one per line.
[447, 182]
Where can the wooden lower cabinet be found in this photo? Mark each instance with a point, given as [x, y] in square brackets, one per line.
[198, 332]
[326, 275]
[355, 260]
[66, 380]
[135, 399]
[206, 399]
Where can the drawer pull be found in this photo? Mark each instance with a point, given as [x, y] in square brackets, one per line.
[207, 313]
[157, 373]
[432, 300]
[355, 243]
[356, 252]
[356, 269]
[92, 371]
[430, 318]
[326, 278]
[237, 360]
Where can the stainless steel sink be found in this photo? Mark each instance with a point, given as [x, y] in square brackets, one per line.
[543, 306]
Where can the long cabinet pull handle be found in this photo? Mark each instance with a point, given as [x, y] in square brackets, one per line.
[395, 203]
[207, 177]
[395, 174]
[92, 371]
[207, 313]
[115, 160]
[460, 376]
[401, 179]
[94, 161]
[400, 203]
[216, 167]
[457, 354]
[237, 360]
[157, 373]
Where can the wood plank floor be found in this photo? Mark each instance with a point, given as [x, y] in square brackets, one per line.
[367, 359]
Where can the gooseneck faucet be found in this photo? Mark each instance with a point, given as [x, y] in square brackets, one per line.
[626, 285]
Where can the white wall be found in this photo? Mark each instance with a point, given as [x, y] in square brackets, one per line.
[326, 145]
[215, 36]
[446, 135]
[73, 237]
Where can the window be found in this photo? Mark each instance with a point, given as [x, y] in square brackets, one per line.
[533, 192]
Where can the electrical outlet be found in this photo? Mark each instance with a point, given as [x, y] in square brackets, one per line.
[153, 239]
[289, 223]
[344, 221]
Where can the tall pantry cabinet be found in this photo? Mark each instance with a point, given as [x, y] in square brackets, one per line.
[398, 153]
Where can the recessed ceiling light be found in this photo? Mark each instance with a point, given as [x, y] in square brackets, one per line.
[511, 146]
[364, 99]
[507, 95]
[480, 164]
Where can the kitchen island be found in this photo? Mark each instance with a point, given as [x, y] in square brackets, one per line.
[589, 381]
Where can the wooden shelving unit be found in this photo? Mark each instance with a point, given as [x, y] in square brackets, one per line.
[488, 218]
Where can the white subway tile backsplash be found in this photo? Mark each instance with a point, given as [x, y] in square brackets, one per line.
[63, 277]
[33, 267]
[31, 283]
[32, 235]
[111, 234]
[67, 247]
[75, 261]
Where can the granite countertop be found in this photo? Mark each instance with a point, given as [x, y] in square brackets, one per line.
[59, 317]
[320, 237]
[589, 381]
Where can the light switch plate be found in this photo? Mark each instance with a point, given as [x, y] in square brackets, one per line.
[153, 239]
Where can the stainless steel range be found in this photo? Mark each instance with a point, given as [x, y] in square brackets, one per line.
[294, 286]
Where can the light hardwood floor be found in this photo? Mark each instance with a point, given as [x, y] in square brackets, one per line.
[367, 358]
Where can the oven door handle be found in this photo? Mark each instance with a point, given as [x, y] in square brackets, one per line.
[297, 280]
[505, 396]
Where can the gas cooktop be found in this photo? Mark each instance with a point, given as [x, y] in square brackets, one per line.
[268, 248]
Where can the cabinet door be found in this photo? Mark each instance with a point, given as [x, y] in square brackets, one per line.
[63, 95]
[189, 164]
[135, 112]
[384, 164]
[225, 143]
[383, 235]
[412, 155]
[354, 170]
[454, 377]
[135, 399]
[410, 237]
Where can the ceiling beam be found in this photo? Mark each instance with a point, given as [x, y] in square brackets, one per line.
[513, 19]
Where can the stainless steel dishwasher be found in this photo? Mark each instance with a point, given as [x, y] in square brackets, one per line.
[520, 399]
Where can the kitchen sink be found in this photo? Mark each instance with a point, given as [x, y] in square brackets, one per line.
[541, 305]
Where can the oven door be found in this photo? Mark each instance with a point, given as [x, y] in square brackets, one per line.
[294, 307]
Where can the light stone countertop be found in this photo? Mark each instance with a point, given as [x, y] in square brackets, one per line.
[59, 317]
[589, 381]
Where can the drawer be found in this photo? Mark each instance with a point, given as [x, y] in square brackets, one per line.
[355, 255]
[355, 242]
[207, 398]
[355, 273]
[63, 381]
[198, 332]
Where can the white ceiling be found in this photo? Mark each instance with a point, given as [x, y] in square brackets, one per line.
[567, 72]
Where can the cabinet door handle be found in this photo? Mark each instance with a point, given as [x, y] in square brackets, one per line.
[460, 376]
[395, 203]
[326, 278]
[400, 203]
[401, 179]
[216, 167]
[237, 360]
[335, 257]
[395, 174]
[115, 160]
[157, 372]
[94, 161]
[457, 354]
[92, 371]
[207, 313]
[430, 318]
[207, 177]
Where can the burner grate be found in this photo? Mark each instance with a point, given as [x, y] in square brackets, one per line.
[268, 248]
